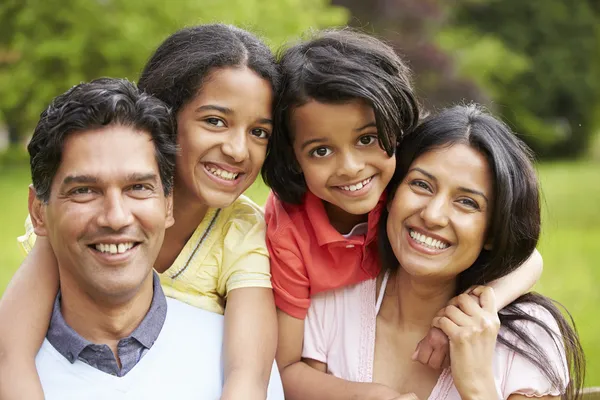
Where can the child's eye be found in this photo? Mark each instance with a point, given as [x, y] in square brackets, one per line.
[260, 133]
[367, 140]
[218, 122]
[320, 152]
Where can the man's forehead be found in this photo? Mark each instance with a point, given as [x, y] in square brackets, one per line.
[111, 153]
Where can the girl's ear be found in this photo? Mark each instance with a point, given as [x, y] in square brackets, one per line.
[37, 213]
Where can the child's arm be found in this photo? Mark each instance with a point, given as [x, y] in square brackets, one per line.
[433, 349]
[308, 379]
[508, 288]
[250, 341]
[25, 311]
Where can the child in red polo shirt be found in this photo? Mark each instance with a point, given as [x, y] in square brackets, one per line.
[346, 100]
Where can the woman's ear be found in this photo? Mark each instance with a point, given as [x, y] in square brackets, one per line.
[488, 244]
[37, 213]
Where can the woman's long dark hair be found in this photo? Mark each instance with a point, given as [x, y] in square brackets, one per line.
[514, 229]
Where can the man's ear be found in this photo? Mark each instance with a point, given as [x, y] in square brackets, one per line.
[37, 213]
[170, 218]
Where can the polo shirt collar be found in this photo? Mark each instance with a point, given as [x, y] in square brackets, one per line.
[326, 233]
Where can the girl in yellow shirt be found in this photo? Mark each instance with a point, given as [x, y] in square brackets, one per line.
[219, 80]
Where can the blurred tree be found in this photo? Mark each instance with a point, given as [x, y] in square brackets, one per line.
[540, 62]
[48, 46]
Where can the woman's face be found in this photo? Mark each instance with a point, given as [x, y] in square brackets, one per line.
[440, 213]
[223, 134]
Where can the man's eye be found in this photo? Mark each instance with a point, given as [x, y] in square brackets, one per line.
[320, 152]
[81, 191]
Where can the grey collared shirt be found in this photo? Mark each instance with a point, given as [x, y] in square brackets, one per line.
[131, 349]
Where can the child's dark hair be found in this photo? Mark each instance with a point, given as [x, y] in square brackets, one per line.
[514, 228]
[337, 66]
[177, 69]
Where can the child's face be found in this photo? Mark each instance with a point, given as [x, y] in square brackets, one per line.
[440, 213]
[223, 134]
[338, 151]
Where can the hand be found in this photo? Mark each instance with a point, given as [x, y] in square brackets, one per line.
[433, 349]
[472, 327]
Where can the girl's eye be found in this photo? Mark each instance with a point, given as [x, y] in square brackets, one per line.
[320, 152]
[260, 133]
[469, 203]
[367, 140]
[421, 185]
[215, 121]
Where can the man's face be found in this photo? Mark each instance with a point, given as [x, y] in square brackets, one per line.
[107, 212]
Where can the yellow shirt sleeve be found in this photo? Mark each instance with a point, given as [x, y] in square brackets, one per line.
[27, 240]
[245, 261]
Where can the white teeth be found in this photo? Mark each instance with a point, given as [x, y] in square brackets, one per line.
[357, 186]
[428, 241]
[221, 173]
[114, 248]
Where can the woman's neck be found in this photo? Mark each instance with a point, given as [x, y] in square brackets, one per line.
[412, 302]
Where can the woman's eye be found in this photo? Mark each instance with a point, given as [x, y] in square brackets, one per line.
[216, 122]
[421, 185]
[469, 203]
[320, 152]
[367, 140]
[260, 133]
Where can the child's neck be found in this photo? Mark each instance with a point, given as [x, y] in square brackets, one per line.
[343, 221]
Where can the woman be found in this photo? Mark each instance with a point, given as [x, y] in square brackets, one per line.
[219, 81]
[463, 210]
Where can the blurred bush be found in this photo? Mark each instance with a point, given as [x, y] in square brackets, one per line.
[47, 46]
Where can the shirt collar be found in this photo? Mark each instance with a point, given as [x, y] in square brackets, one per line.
[325, 232]
[70, 344]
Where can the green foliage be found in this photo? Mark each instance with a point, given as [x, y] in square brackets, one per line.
[539, 63]
[48, 46]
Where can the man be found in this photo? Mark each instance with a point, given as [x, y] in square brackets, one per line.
[102, 162]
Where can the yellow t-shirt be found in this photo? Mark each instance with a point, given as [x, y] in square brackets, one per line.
[226, 251]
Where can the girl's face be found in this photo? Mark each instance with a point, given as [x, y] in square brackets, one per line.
[223, 134]
[338, 151]
[440, 213]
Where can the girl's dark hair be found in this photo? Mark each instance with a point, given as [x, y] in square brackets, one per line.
[514, 228]
[177, 69]
[337, 66]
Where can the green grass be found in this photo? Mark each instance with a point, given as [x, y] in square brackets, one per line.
[570, 242]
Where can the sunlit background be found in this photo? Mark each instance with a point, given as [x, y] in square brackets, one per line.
[534, 63]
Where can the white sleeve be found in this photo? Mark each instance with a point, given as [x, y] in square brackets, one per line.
[315, 334]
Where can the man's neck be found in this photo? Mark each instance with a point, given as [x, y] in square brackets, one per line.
[102, 320]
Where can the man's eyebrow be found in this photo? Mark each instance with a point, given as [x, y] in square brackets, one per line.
[85, 179]
[214, 107]
[142, 177]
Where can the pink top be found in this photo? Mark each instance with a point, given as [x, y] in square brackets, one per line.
[340, 332]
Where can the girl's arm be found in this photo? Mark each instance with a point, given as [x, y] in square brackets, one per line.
[309, 380]
[508, 288]
[250, 341]
[25, 311]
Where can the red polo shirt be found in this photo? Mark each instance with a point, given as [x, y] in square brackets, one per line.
[309, 256]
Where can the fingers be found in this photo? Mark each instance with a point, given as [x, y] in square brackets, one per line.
[423, 352]
[468, 304]
[458, 316]
[437, 358]
[449, 327]
[487, 298]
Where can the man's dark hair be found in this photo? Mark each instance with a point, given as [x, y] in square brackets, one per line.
[94, 105]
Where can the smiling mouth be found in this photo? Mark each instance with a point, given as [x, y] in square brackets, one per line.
[427, 241]
[113, 248]
[221, 173]
[356, 186]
